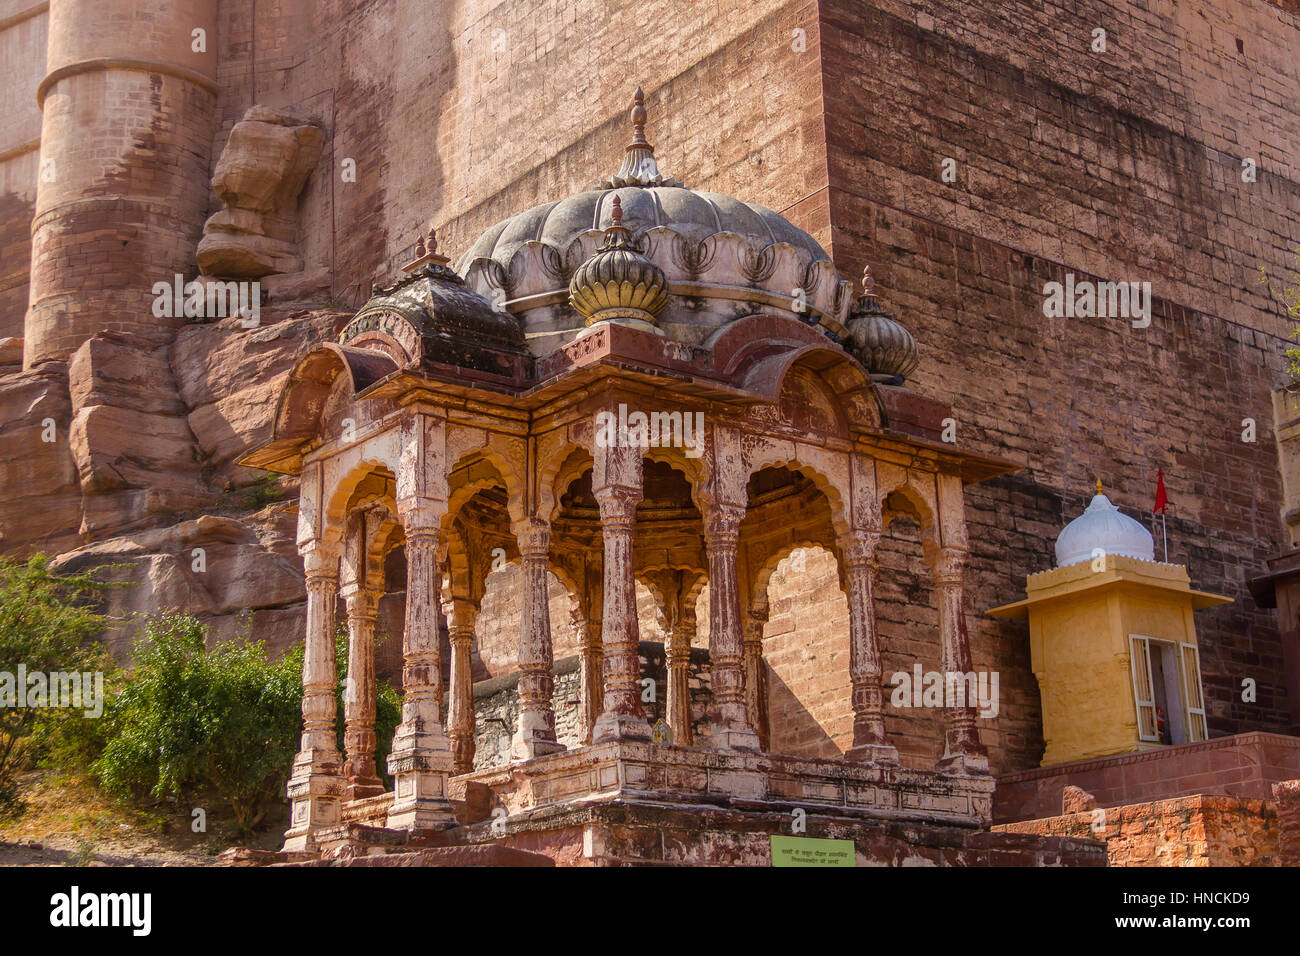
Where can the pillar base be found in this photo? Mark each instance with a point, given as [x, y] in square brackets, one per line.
[873, 753]
[315, 791]
[964, 763]
[420, 800]
[362, 788]
[620, 727]
[730, 738]
[420, 765]
[526, 748]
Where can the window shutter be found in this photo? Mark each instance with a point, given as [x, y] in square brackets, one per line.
[1196, 727]
[1140, 657]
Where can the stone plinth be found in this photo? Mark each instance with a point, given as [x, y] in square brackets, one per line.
[691, 776]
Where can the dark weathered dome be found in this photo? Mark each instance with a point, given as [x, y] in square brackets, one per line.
[438, 319]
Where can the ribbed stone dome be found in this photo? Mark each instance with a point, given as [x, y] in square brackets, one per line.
[1103, 526]
[722, 259]
[618, 284]
[879, 341]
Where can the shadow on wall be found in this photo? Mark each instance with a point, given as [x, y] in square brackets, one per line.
[794, 730]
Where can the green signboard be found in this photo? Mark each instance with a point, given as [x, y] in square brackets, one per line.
[809, 851]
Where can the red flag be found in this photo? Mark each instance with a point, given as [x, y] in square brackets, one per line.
[1162, 499]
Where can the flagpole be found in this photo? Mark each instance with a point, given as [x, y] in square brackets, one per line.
[1164, 533]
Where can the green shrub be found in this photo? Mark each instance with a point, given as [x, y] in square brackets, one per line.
[47, 624]
[198, 724]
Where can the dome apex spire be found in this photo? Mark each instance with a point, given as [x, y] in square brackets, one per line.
[639, 167]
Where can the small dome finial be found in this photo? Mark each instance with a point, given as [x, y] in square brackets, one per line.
[638, 119]
[426, 254]
[616, 214]
[868, 281]
[1098, 486]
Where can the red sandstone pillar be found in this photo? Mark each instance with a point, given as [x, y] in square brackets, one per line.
[460, 709]
[678, 653]
[729, 727]
[617, 486]
[755, 678]
[869, 740]
[535, 731]
[962, 748]
[590, 662]
[420, 761]
[359, 696]
[316, 784]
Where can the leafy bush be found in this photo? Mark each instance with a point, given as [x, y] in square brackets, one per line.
[198, 724]
[47, 624]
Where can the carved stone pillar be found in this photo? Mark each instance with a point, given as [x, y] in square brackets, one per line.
[729, 727]
[590, 663]
[755, 676]
[535, 731]
[678, 653]
[359, 696]
[316, 782]
[460, 716]
[870, 742]
[420, 761]
[622, 716]
[962, 748]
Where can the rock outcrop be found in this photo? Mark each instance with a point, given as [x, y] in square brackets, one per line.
[261, 171]
[240, 576]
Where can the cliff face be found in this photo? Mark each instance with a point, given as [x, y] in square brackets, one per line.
[118, 439]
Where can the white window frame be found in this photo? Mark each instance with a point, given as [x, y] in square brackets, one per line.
[1139, 647]
[1197, 730]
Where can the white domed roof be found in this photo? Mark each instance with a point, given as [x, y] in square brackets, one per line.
[1106, 527]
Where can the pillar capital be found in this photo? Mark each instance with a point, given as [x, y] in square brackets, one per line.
[722, 525]
[421, 515]
[320, 562]
[361, 601]
[860, 548]
[947, 565]
[464, 614]
[533, 535]
[618, 504]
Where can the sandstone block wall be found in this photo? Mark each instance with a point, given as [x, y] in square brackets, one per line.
[1188, 831]
[496, 704]
[1125, 167]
